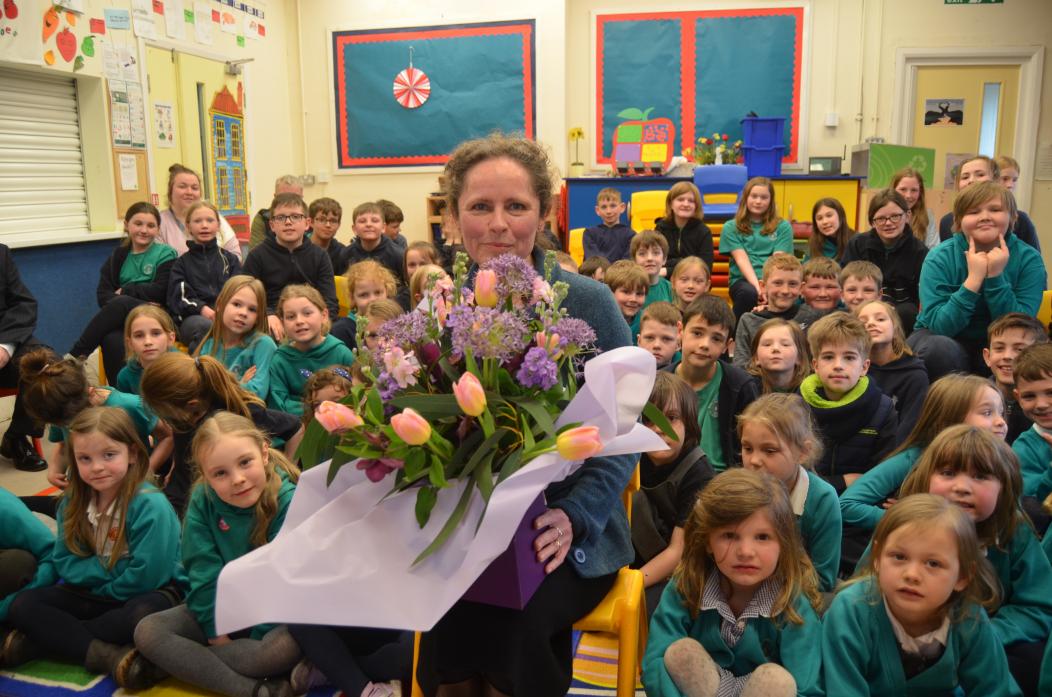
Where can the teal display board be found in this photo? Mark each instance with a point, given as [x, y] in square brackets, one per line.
[704, 70]
[463, 81]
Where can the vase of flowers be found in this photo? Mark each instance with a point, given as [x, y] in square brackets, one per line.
[576, 135]
[717, 149]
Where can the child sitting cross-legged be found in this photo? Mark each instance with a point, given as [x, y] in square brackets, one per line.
[723, 390]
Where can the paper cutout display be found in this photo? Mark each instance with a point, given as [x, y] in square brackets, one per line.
[641, 139]
[461, 101]
[61, 26]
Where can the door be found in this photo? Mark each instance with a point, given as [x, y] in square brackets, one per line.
[965, 110]
[207, 110]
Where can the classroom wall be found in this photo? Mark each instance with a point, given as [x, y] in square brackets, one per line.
[851, 65]
[63, 277]
[409, 187]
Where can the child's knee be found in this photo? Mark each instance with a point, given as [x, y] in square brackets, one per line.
[691, 668]
[770, 680]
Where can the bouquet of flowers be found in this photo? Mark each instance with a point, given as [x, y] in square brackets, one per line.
[719, 147]
[468, 386]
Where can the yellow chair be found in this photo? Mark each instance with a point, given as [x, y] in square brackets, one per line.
[1044, 313]
[575, 242]
[621, 612]
[645, 207]
[343, 295]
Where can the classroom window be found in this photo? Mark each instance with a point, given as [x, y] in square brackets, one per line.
[219, 130]
[235, 140]
[42, 186]
[988, 122]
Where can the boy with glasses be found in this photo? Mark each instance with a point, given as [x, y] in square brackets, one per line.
[894, 248]
[325, 217]
[288, 259]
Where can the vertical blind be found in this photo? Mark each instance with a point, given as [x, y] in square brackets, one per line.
[42, 190]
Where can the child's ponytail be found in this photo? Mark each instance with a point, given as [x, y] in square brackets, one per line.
[54, 389]
[181, 389]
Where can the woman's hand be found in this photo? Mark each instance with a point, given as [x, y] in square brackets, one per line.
[553, 544]
[997, 258]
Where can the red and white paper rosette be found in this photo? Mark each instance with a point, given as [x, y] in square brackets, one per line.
[412, 87]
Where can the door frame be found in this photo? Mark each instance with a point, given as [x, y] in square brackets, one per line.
[199, 52]
[1030, 60]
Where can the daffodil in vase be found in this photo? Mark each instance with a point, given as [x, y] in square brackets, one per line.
[576, 136]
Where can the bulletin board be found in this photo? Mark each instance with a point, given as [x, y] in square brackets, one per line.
[704, 70]
[478, 78]
[131, 185]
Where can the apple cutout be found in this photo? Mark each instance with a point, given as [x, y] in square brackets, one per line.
[87, 46]
[66, 43]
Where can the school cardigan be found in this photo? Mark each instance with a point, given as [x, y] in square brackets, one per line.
[154, 290]
[692, 240]
[214, 534]
[820, 526]
[238, 359]
[860, 654]
[797, 648]
[290, 368]
[152, 556]
[1035, 463]
[1023, 569]
[860, 502]
[20, 529]
[856, 431]
[950, 309]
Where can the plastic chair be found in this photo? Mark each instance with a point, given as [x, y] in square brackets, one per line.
[575, 244]
[720, 179]
[621, 612]
[645, 207]
[1044, 312]
[343, 294]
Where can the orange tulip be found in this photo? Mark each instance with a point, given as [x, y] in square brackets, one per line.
[579, 443]
[411, 427]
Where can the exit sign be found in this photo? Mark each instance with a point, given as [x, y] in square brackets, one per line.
[973, 2]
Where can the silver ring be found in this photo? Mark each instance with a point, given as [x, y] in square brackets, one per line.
[560, 531]
[558, 543]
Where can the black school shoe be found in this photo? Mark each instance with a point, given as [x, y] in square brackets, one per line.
[17, 649]
[19, 450]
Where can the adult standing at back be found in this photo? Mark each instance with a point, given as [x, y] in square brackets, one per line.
[184, 190]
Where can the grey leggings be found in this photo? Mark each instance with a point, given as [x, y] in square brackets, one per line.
[174, 641]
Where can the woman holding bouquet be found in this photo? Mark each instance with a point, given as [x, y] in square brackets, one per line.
[499, 190]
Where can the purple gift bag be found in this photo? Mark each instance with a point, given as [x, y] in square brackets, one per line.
[512, 578]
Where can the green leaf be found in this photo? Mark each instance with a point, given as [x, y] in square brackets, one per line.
[630, 114]
[484, 477]
[646, 114]
[527, 433]
[451, 524]
[487, 447]
[463, 453]
[511, 465]
[415, 462]
[652, 414]
[316, 447]
[436, 474]
[374, 406]
[426, 497]
[429, 406]
[538, 412]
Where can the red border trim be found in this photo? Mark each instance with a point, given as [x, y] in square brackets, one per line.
[342, 39]
[688, 51]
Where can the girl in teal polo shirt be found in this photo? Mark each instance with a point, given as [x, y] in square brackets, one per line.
[117, 553]
[739, 617]
[912, 623]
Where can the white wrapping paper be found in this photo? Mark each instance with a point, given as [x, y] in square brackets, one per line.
[345, 558]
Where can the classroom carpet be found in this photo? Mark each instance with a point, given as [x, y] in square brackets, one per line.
[594, 675]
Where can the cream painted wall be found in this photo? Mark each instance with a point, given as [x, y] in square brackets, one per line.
[274, 136]
[410, 187]
[852, 63]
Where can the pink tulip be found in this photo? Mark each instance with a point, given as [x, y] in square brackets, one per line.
[548, 342]
[411, 427]
[336, 418]
[579, 443]
[470, 395]
[486, 288]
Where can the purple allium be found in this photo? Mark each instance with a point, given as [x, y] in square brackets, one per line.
[573, 331]
[514, 278]
[486, 332]
[405, 331]
[537, 370]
